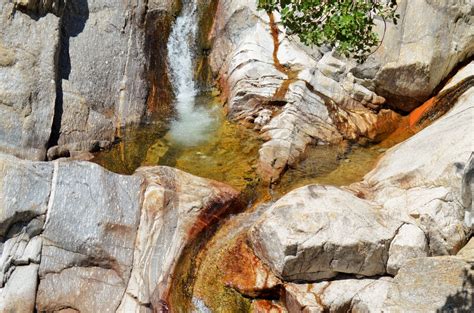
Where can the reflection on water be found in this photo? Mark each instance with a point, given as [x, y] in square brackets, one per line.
[330, 165]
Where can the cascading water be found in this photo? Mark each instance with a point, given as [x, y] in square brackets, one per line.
[193, 124]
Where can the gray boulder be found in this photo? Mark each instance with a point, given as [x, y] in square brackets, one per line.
[438, 284]
[28, 52]
[88, 238]
[430, 40]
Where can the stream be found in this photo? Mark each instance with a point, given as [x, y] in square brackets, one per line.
[200, 140]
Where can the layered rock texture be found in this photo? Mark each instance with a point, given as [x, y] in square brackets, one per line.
[73, 72]
[296, 96]
[410, 207]
[75, 236]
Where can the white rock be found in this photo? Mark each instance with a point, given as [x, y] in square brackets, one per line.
[410, 242]
[315, 232]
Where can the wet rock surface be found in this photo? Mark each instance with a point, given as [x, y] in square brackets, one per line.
[177, 207]
[294, 98]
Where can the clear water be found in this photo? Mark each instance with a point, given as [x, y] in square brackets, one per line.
[193, 124]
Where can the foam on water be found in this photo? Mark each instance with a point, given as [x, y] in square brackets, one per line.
[193, 124]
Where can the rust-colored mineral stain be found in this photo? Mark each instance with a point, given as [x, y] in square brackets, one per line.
[276, 44]
[266, 306]
[419, 112]
[292, 75]
[239, 266]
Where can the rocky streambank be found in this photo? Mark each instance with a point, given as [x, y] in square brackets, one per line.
[75, 237]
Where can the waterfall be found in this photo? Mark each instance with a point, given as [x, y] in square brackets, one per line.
[191, 126]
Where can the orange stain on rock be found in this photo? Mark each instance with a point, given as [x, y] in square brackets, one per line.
[292, 75]
[243, 271]
[419, 112]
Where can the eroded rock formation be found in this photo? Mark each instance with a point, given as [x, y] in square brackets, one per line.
[79, 237]
[297, 96]
[78, 71]
[405, 212]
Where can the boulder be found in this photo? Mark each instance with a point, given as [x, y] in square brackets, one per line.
[28, 48]
[438, 284]
[293, 95]
[101, 68]
[83, 234]
[421, 180]
[74, 72]
[22, 214]
[177, 206]
[431, 39]
[88, 238]
[409, 243]
[315, 232]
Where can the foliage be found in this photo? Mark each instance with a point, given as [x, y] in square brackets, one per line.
[347, 25]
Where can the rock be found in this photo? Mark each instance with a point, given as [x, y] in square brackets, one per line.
[40, 7]
[88, 238]
[266, 306]
[22, 213]
[247, 274]
[27, 81]
[344, 295]
[74, 72]
[430, 40]
[83, 234]
[177, 207]
[467, 252]
[19, 203]
[293, 98]
[410, 242]
[425, 187]
[18, 295]
[315, 232]
[101, 73]
[410, 205]
[432, 284]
